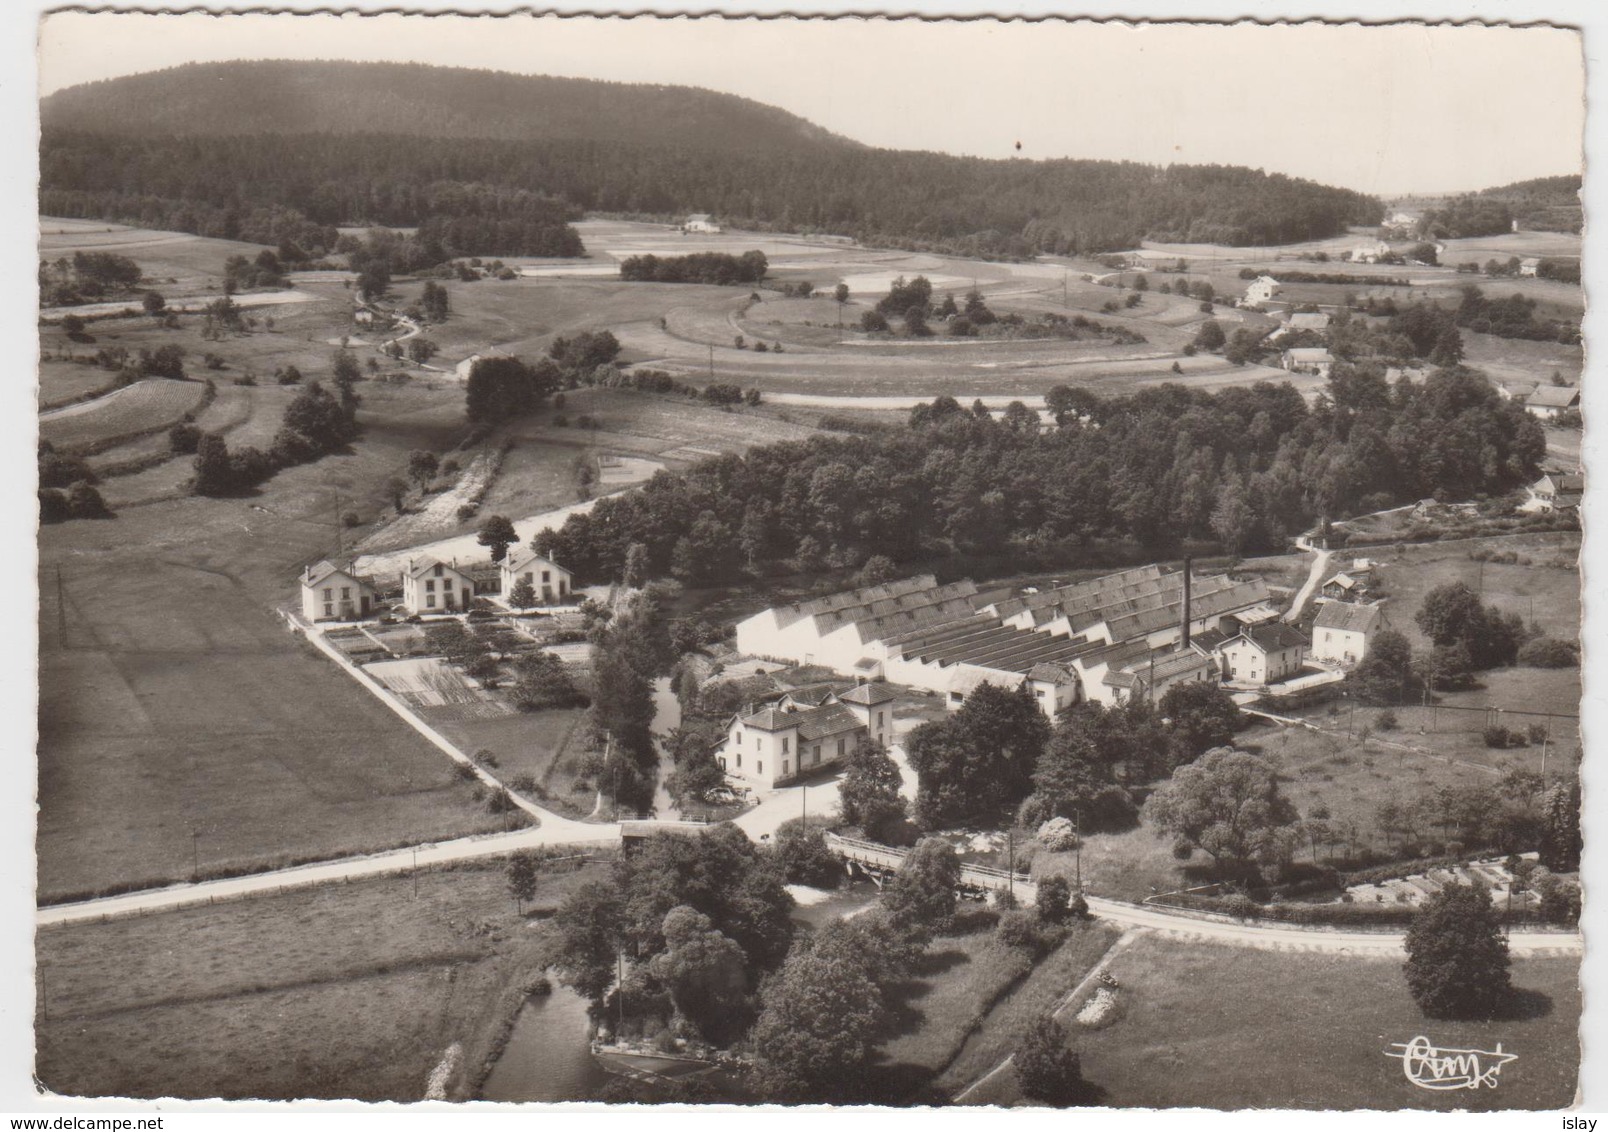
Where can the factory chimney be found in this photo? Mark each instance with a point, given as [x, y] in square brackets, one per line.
[1185, 639]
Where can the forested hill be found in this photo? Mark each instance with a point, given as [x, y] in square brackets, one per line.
[1546, 204]
[294, 97]
[347, 143]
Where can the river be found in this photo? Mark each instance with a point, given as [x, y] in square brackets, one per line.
[666, 718]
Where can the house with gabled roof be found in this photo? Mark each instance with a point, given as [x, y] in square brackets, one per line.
[429, 586]
[1316, 322]
[1255, 655]
[1263, 290]
[773, 744]
[1549, 400]
[1555, 491]
[335, 593]
[1307, 359]
[1342, 632]
[702, 223]
[549, 581]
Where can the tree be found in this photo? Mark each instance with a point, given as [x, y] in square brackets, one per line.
[1210, 336]
[183, 438]
[841, 292]
[1228, 803]
[497, 534]
[588, 936]
[214, 472]
[1202, 715]
[522, 595]
[541, 681]
[84, 502]
[915, 322]
[705, 973]
[636, 566]
[872, 322]
[1457, 959]
[1560, 827]
[1054, 900]
[422, 467]
[819, 1024]
[421, 349]
[803, 856]
[869, 795]
[1047, 1068]
[921, 897]
[521, 879]
[153, 303]
[1385, 675]
[980, 757]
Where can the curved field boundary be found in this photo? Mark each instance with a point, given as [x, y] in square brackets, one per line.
[131, 413]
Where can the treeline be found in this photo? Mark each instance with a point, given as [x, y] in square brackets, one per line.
[315, 424]
[1244, 468]
[1512, 317]
[700, 267]
[87, 277]
[1544, 204]
[1334, 277]
[1466, 216]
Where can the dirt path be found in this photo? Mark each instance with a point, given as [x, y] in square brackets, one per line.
[1320, 564]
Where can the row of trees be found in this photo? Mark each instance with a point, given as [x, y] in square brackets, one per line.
[87, 277]
[701, 267]
[1243, 468]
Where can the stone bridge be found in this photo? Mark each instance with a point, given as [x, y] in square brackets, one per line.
[868, 858]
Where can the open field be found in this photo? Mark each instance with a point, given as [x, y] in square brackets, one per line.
[1204, 1025]
[345, 991]
[61, 382]
[149, 404]
[1518, 359]
[542, 744]
[175, 263]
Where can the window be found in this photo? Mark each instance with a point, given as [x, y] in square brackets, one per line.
[329, 594]
[547, 575]
[784, 744]
[784, 768]
[879, 721]
[739, 760]
[1327, 637]
[530, 577]
[329, 610]
[438, 570]
[817, 757]
[429, 601]
[840, 747]
[759, 768]
[346, 593]
[429, 587]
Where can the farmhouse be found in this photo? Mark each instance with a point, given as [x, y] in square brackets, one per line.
[1549, 400]
[1342, 587]
[1555, 491]
[1370, 253]
[1308, 359]
[1254, 655]
[701, 222]
[1318, 323]
[429, 586]
[769, 745]
[1262, 291]
[548, 580]
[333, 593]
[1528, 267]
[1342, 631]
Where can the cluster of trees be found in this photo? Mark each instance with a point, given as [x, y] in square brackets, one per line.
[87, 277]
[999, 752]
[502, 386]
[1512, 317]
[630, 648]
[1464, 216]
[700, 267]
[698, 921]
[67, 487]
[242, 274]
[316, 423]
[1336, 278]
[1468, 635]
[1241, 467]
[314, 143]
[434, 303]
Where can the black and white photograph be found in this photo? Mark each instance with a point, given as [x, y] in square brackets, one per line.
[858, 561]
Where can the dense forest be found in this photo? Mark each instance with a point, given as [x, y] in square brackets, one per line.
[342, 143]
[1243, 468]
[1545, 204]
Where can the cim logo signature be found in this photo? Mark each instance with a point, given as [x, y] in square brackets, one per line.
[1430, 1067]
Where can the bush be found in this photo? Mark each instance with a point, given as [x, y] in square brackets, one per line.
[1058, 835]
[1017, 929]
[1386, 721]
[1549, 652]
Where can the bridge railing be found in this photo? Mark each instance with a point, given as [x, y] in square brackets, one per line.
[855, 849]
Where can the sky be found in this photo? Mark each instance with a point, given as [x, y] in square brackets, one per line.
[1386, 110]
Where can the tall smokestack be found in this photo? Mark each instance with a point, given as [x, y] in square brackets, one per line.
[1187, 563]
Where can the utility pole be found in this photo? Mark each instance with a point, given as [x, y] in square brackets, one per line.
[711, 363]
[1010, 863]
[1077, 842]
[61, 608]
[804, 806]
[195, 856]
[619, 1026]
[415, 872]
[340, 535]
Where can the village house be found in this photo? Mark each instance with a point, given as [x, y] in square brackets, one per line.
[1315, 321]
[429, 586]
[1555, 491]
[1516, 390]
[1549, 400]
[333, 593]
[1263, 290]
[1342, 631]
[770, 745]
[702, 223]
[548, 580]
[1370, 253]
[1308, 359]
[1256, 654]
[1528, 267]
[1343, 587]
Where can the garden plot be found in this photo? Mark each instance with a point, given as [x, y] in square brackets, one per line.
[426, 682]
[1492, 873]
[150, 404]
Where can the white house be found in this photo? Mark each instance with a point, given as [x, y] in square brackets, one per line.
[1370, 253]
[1528, 267]
[548, 580]
[701, 222]
[462, 368]
[774, 744]
[1316, 322]
[1262, 291]
[429, 586]
[1308, 359]
[1342, 631]
[332, 593]
[1555, 491]
[1549, 400]
[872, 705]
[1255, 655]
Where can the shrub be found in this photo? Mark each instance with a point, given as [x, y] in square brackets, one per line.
[1386, 721]
[1017, 929]
[1549, 652]
[1058, 835]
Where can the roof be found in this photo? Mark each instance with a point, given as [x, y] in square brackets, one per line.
[1309, 321]
[1348, 617]
[316, 575]
[867, 694]
[1309, 354]
[968, 681]
[1554, 396]
[830, 719]
[1047, 673]
[1277, 635]
[770, 719]
[1569, 483]
[524, 556]
[1344, 581]
[812, 695]
[418, 568]
[697, 216]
